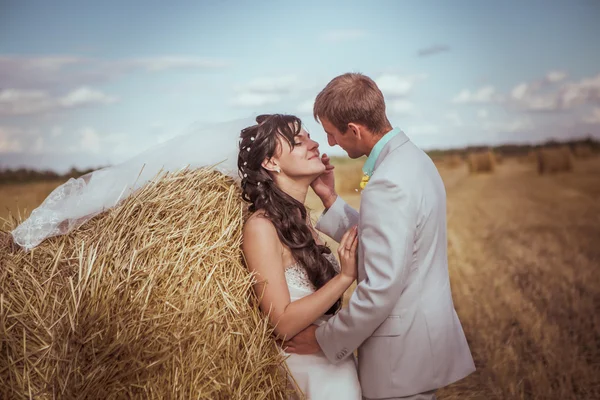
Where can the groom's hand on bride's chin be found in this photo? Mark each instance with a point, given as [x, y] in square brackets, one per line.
[324, 185]
[304, 342]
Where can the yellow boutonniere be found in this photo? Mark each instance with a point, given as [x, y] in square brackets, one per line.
[364, 181]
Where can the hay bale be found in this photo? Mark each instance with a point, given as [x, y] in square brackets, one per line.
[583, 151]
[483, 161]
[552, 160]
[148, 300]
[453, 161]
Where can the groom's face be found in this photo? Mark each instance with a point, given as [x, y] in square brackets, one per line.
[346, 140]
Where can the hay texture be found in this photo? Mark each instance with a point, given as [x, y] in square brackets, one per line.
[483, 161]
[552, 160]
[148, 300]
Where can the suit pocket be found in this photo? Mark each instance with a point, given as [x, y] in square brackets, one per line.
[394, 325]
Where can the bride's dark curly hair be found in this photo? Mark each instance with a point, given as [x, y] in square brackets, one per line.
[288, 215]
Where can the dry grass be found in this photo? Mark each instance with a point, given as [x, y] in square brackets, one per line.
[21, 199]
[349, 174]
[554, 160]
[148, 300]
[484, 161]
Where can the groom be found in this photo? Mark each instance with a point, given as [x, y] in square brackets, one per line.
[401, 316]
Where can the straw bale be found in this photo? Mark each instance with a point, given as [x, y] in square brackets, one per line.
[551, 160]
[482, 161]
[583, 151]
[150, 299]
[453, 161]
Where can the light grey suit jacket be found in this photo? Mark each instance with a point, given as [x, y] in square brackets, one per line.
[401, 316]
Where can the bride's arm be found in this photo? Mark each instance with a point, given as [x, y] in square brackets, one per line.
[263, 253]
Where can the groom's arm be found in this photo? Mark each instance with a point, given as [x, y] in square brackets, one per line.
[386, 235]
[337, 219]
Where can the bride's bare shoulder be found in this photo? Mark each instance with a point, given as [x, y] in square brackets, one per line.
[261, 226]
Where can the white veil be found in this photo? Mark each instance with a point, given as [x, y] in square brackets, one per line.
[78, 200]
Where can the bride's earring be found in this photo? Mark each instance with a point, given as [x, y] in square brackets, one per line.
[278, 170]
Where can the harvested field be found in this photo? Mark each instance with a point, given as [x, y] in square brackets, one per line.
[524, 253]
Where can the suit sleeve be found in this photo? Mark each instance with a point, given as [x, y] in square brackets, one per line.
[337, 219]
[387, 229]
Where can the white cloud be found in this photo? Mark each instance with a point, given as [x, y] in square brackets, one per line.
[255, 99]
[26, 102]
[280, 84]
[546, 94]
[516, 125]
[393, 85]
[427, 129]
[56, 131]
[306, 107]
[263, 91]
[519, 91]
[586, 91]
[60, 72]
[336, 36]
[454, 118]
[401, 106]
[21, 102]
[90, 140]
[482, 113]
[85, 95]
[486, 94]
[38, 145]
[176, 62]
[556, 76]
[594, 117]
[9, 141]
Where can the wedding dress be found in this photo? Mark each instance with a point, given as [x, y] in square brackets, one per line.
[314, 374]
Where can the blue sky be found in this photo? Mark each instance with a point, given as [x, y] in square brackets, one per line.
[90, 84]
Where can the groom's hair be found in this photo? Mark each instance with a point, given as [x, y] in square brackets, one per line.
[352, 97]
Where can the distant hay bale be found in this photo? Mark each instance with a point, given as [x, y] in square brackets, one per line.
[551, 160]
[483, 161]
[583, 151]
[150, 299]
[453, 161]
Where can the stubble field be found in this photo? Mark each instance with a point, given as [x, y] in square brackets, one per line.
[524, 259]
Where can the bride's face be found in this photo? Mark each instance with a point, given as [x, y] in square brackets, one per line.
[302, 160]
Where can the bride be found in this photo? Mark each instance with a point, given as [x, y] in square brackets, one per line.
[300, 282]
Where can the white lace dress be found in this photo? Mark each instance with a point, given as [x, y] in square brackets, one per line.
[315, 375]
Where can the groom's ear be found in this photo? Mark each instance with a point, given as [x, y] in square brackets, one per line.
[355, 130]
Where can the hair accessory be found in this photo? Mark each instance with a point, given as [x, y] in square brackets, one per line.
[248, 148]
[258, 184]
[245, 162]
[245, 175]
[252, 138]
